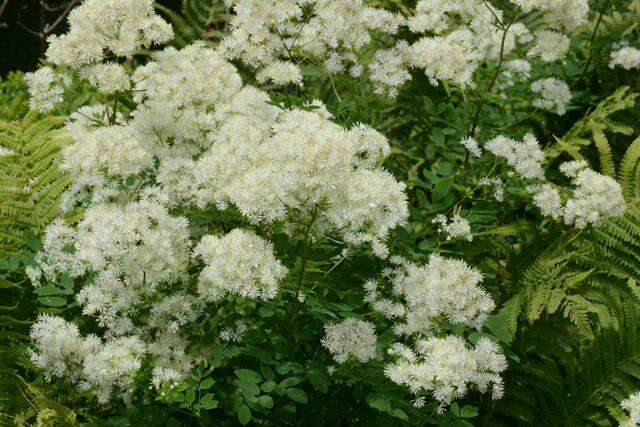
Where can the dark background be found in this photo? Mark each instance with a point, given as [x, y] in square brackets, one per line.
[22, 23]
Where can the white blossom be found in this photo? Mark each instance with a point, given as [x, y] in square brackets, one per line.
[455, 227]
[632, 406]
[351, 338]
[626, 57]
[554, 94]
[239, 263]
[525, 157]
[550, 46]
[447, 368]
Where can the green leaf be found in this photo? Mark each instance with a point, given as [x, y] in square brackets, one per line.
[248, 375]
[379, 402]
[244, 414]
[53, 301]
[266, 401]
[441, 189]
[206, 383]
[497, 324]
[469, 411]
[318, 378]
[208, 402]
[267, 372]
[190, 395]
[290, 367]
[47, 290]
[399, 413]
[32, 241]
[290, 382]
[67, 282]
[268, 386]
[297, 395]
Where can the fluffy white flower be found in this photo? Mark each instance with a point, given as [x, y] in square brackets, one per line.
[550, 46]
[525, 157]
[115, 151]
[333, 32]
[567, 15]
[117, 26]
[94, 365]
[45, 89]
[548, 200]
[555, 95]
[626, 57]
[445, 58]
[447, 369]
[390, 68]
[454, 227]
[443, 288]
[632, 406]
[280, 73]
[471, 145]
[595, 197]
[351, 338]
[240, 263]
[109, 78]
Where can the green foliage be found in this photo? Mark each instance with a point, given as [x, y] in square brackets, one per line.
[199, 20]
[31, 183]
[575, 383]
[14, 98]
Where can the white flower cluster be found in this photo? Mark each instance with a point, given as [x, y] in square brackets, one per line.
[351, 339]
[46, 88]
[101, 367]
[98, 29]
[626, 57]
[194, 138]
[632, 406]
[443, 289]
[525, 157]
[448, 369]
[554, 94]
[595, 197]
[550, 46]
[471, 145]
[240, 263]
[269, 35]
[463, 34]
[453, 228]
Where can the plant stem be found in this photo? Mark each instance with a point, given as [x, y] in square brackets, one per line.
[593, 36]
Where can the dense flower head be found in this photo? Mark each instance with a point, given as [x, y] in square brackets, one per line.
[441, 290]
[626, 57]
[554, 95]
[524, 156]
[594, 197]
[632, 406]
[351, 338]
[268, 35]
[455, 227]
[45, 89]
[240, 263]
[119, 27]
[448, 369]
[101, 367]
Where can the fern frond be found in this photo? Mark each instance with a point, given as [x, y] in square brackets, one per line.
[604, 150]
[31, 184]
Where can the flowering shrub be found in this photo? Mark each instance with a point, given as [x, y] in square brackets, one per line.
[340, 212]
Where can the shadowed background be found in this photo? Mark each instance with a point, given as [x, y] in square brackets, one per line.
[25, 25]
